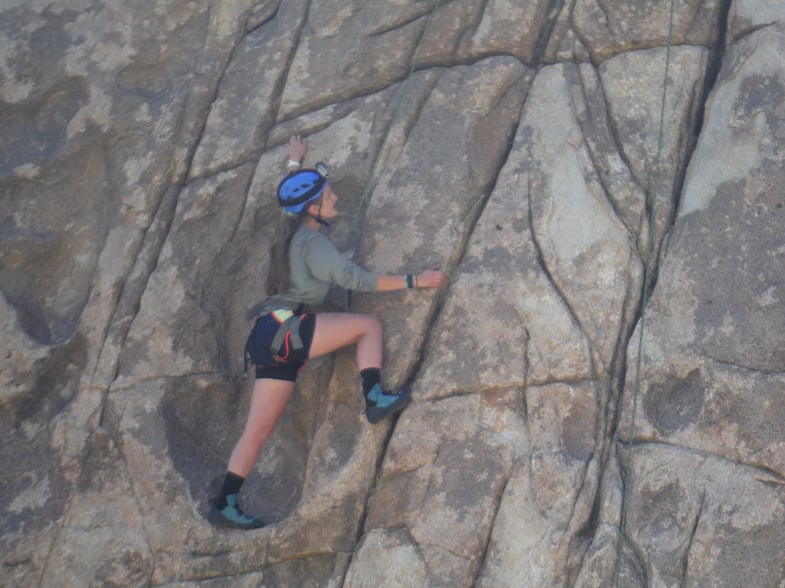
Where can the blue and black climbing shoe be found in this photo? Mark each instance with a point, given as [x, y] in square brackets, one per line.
[379, 404]
[231, 516]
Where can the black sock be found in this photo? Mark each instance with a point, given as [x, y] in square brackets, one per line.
[232, 484]
[370, 377]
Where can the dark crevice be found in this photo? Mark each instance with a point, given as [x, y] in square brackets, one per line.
[651, 268]
[276, 94]
[135, 286]
[742, 367]
[578, 78]
[618, 369]
[580, 541]
[752, 30]
[360, 528]
[399, 95]
[471, 392]
[487, 543]
[194, 148]
[154, 238]
[471, 28]
[693, 532]
[550, 18]
[280, 83]
[552, 281]
[713, 67]
[255, 22]
[625, 545]
[753, 466]
[253, 155]
[686, 145]
[606, 425]
[277, 97]
[420, 101]
[618, 146]
[423, 13]
[469, 224]
[525, 369]
[771, 475]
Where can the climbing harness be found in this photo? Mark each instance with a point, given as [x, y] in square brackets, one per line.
[285, 343]
[627, 481]
[287, 337]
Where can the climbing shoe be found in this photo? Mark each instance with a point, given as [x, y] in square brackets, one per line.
[231, 516]
[379, 404]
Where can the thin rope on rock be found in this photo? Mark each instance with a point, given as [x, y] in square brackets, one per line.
[627, 482]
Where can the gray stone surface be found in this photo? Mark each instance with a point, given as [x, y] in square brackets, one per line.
[566, 429]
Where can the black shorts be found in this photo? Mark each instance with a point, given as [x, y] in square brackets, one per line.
[288, 371]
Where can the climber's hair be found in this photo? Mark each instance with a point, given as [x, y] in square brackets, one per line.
[278, 274]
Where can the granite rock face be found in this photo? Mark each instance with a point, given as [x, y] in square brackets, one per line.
[598, 391]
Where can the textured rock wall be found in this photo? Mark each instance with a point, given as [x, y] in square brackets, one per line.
[609, 353]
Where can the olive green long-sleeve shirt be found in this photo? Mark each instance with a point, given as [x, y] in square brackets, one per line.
[315, 264]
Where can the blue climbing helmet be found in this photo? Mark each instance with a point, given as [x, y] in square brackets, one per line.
[300, 188]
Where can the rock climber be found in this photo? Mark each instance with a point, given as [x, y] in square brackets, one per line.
[304, 264]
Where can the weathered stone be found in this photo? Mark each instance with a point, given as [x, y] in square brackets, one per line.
[548, 497]
[88, 549]
[434, 485]
[655, 150]
[744, 16]
[702, 529]
[245, 108]
[403, 563]
[608, 28]
[348, 49]
[404, 230]
[518, 145]
[505, 27]
[713, 344]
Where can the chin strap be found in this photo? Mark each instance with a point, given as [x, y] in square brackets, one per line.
[318, 216]
[320, 220]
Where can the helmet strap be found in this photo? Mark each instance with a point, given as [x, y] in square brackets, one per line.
[320, 220]
[318, 216]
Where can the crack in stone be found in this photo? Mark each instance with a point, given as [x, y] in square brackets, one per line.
[471, 28]
[753, 29]
[767, 470]
[487, 543]
[139, 504]
[693, 532]
[741, 366]
[540, 257]
[134, 287]
[383, 30]
[577, 545]
[550, 18]
[265, 19]
[605, 121]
